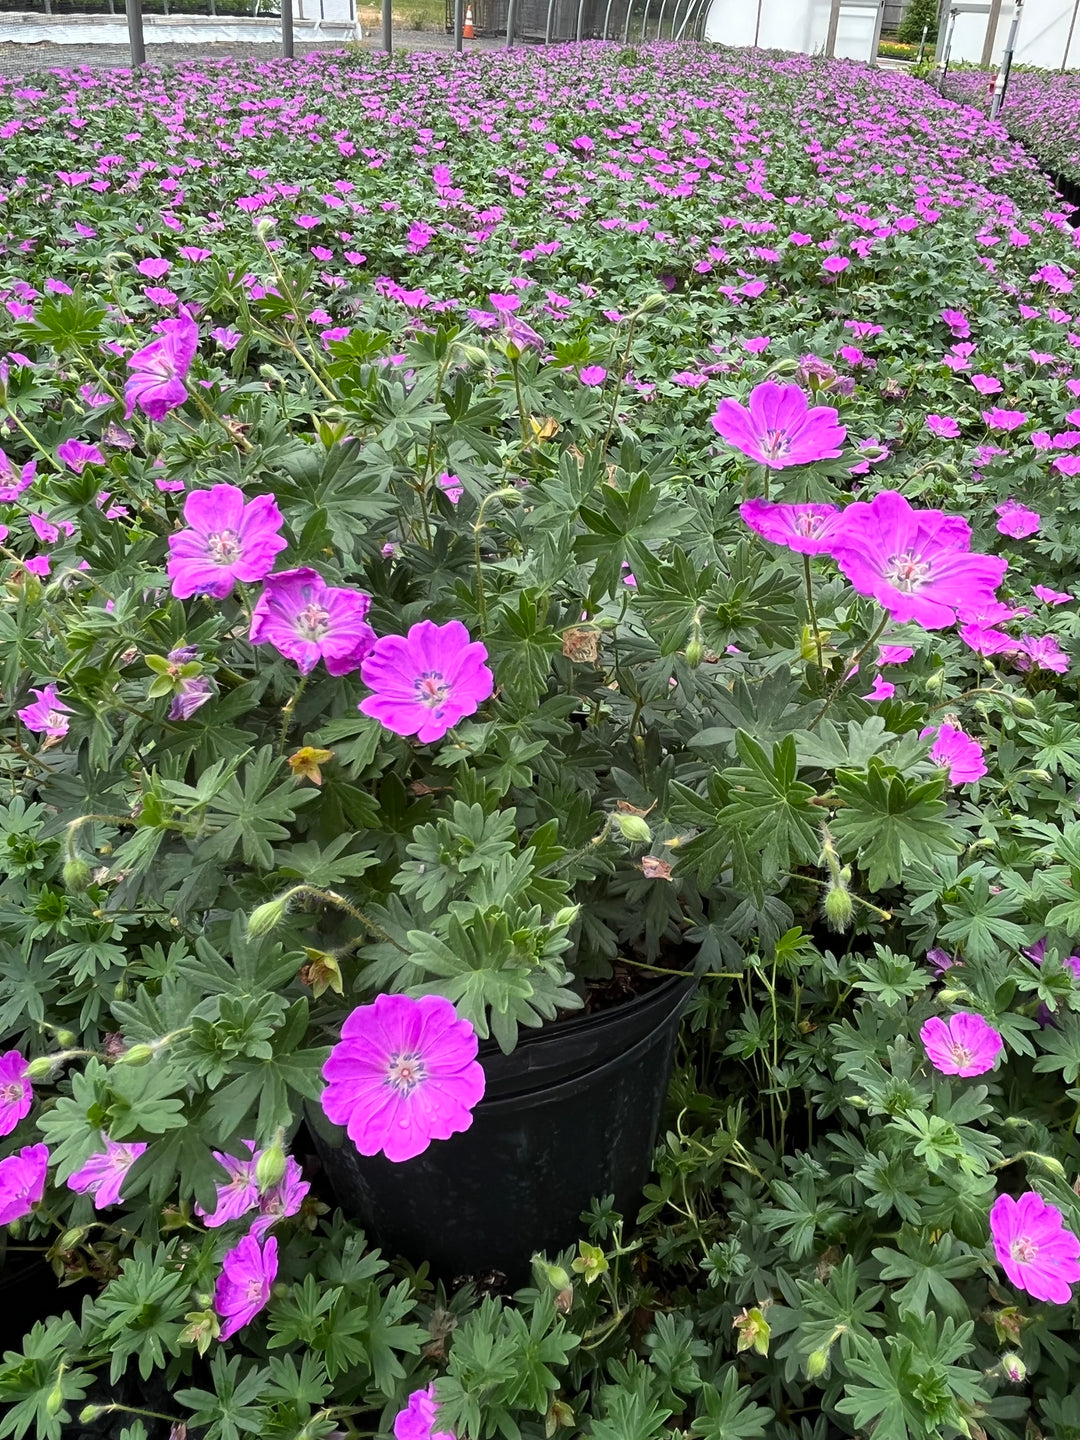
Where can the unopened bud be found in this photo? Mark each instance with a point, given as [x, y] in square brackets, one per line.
[817, 1362]
[553, 1275]
[136, 1055]
[1022, 706]
[270, 1167]
[1014, 1369]
[695, 653]
[634, 829]
[67, 1038]
[42, 1067]
[76, 875]
[264, 225]
[839, 911]
[55, 1403]
[274, 376]
[267, 917]
[1051, 1163]
[567, 915]
[656, 301]
[72, 1237]
[89, 1413]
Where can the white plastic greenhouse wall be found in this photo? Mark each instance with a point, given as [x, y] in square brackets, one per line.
[1040, 39]
[801, 25]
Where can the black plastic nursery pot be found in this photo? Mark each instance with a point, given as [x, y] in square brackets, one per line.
[572, 1113]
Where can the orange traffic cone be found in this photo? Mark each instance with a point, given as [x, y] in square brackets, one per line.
[467, 32]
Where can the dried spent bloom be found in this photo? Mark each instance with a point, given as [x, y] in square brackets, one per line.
[16, 1091]
[779, 428]
[1033, 1247]
[243, 1288]
[226, 539]
[957, 752]
[962, 1045]
[426, 681]
[404, 1073]
[308, 621]
[1015, 520]
[417, 1420]
[103, 1175]
[915, 563]
[22, 1182]
[806, 529]
[48, 714]
[156, 383]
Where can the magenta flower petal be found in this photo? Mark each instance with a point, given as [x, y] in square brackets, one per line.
[426, 681]
[47, 715]
[404, 1073]
[417, 1420]
[963, 1045]
[156, 384]
[237, 1195]
[1033, 1247]
[806, 529]
[779, 428]
[1015, 520]
[957, 752]
[22, 1182]
[307, 620]
[103, 1175]
[243, 1288]
[16, 1091]
[226, 539]
[915, 563]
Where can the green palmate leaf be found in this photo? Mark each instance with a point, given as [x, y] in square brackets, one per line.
[888, 820]
[233, 1407]
[928, 1270]
[730, 1414]
[40, 1389]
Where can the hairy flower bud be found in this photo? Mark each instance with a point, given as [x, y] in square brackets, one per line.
[634, 829]
[55, 1403]
[839, 911]
[695, 653]
[270, 1167]
[76, 875]
[266, 917]
[89, 1413]
[1022, 706]
[566, 916]
[1014, 1369]
[42, 1067]
[817, 1362]
[136, 1055]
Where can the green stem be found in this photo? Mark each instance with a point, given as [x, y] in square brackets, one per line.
[514, 366]
[813, 612]
[620, 380]
[854, 662]
[288, 712]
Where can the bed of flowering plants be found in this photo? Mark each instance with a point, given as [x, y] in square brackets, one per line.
[473, 532]
[1041, 108]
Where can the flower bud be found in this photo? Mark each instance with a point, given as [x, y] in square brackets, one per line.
[553, 1275]
[270, 1167]
[89, 1413]
[275, 377]
[656, 301]
[55, 1403]
[67, 1039]
[634, 829]
[264, 225]
[1022, 706]
[1051, 1163]
[72, 1237]
[1014, 1369]
[695, 653]
[266, 917]
[566, 916]
[817, 1362]
[76, 875]
[136, 1055]
[42, 1067]
[839, 911]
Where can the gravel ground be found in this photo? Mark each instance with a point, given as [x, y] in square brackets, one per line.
[25, 59]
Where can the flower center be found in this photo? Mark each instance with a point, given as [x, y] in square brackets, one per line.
[313, 621]
[907, 573]
[808, 524]
[775, 443]
[432, 689]
[405, 1072]
[55, 720]
[224, 547]
[961, 1055]
[253, 1291]
[12, 1093]
[1023, 1250]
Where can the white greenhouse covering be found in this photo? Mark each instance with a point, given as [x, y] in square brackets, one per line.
[802, 25]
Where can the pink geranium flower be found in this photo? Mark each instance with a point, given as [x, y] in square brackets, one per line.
[963, 1045]
[1016, 520]
[417, 1420]
[153, 268]
[780, 428]
[239, 1193]
[805, 529]
[308, 621]
[1051, 597]
[22, 1182]
[987, 384]
[451, 487]
[243, 1288]
[48, 714]
[835, 264]
[426, 681]
[404, 1073]
[1033, 1247]
[281, 1200]
[593, 375]
[16, 1091]
[13, 480]
[894, 654]
[156, 384]
[227, 539]
[915, 563]
[104, 1173]
[76, 456]
[226, 336]
[1066, 464]
[881, 690]
[1006, 420]
[957, 752]
[1041, 652]
[944, 426]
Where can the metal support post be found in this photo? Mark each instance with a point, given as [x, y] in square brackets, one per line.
[626, 28]
[547, 26]
[1068, 42]
[922, 44]
[834, 25]
[135, 32]
[459, 25]
[607, 17]
[511, 24]
[660, 25]
[1006, 63]
[286, 29]
[645, 22]
[387, 26]
[948, 49]
[580, 19]
[991, 34]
